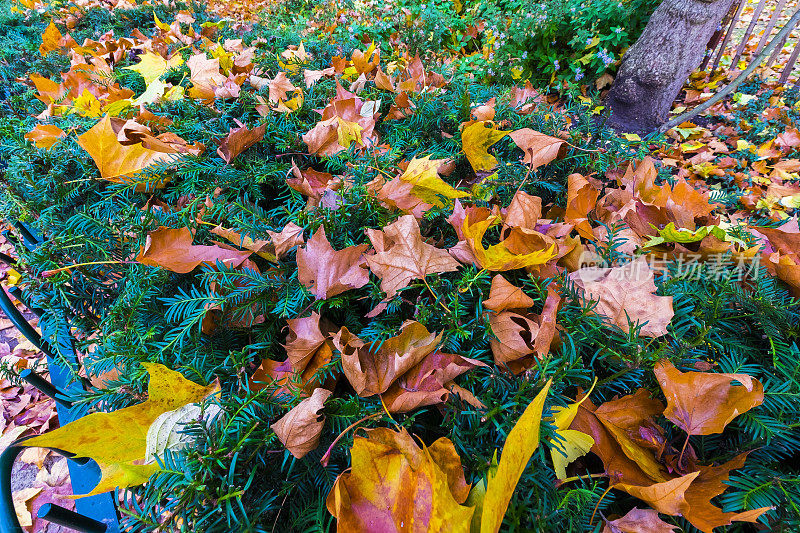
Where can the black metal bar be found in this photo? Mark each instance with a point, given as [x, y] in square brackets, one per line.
[45, 386]
[29, 239]
[64, 517]
[22, 325]
[7, 259]
[8, 517]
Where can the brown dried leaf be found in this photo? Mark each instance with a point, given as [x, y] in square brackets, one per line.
[540, 149]
[173, 249]
[327, 272]
[703, 403]
[402, 255]
[299, 429]
[503, 295]
[238, 140]
[627, 294]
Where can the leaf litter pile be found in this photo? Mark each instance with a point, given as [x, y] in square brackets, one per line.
[379, 286]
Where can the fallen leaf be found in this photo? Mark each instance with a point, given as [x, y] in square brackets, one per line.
[45, 135]
[428, 383]
[50, 41]
[711, 483]
[581, 199]
[503, 295]
[668, 497]
[173, 249]
[238, 140]
[524, 211]
[626, 294]
[152, 66]
[522, 441]
[638, 521]
[499, 257]
[327, 272]
[372, 368]
[426, 183]
[299, 429]
[394, 485]
[703, 403]
[476, 140]
[118, 440]
[540, 149]
[117, 162]
[402, 255]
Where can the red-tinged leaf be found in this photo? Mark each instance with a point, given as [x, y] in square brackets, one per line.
[703, 403]
[173, 249]
[327, 272]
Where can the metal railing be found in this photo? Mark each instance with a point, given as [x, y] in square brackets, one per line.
[734, 39]
[93, 514]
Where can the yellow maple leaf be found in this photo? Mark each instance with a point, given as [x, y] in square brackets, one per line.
[118, 440]
[427, 185]
[118, 162]
[476, 140]
[498, 257]
[348, 132]
[152, 66]
[522, 441]
[87, 105]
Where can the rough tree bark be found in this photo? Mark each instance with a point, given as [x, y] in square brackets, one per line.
[655, 68]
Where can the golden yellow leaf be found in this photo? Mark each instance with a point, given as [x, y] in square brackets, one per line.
[152, 66]
[498, 257]
[520, 444]
[118, 162]
[118, 440]
[427, 185]
[476, 140]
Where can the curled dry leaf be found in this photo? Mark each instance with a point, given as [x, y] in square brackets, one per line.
[429, 382]
[403, 256]
[118, 440]
[703, 403]
[271, 250]
[299, 429]
[638, 521]
[476, 140]
[173, 249]
[581, 199]
[327, 272]
[238, 140]
[500, 257]
[45, 135]
[305, 338]
[119, 163]
[395, 485]
[626, 294]
[540, 149]
[372, 368]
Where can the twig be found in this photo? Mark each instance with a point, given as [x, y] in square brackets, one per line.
[728, 89]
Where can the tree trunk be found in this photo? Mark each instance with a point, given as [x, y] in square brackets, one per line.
[655, 68]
